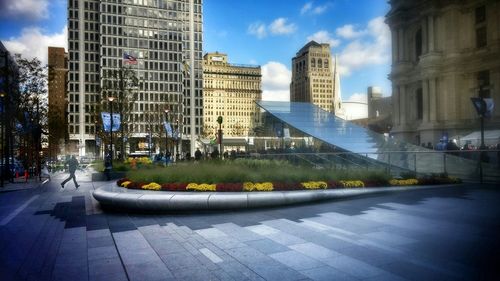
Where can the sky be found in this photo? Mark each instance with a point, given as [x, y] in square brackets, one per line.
[258, 32]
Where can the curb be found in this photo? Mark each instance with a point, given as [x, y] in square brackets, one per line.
[119, 197]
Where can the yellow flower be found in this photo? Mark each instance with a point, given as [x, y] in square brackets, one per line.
[349, 184]
[314, 184]
[248, 186]
[125, 183]
[265, 186]
[152, 186]
[201, 187]
[403, 182]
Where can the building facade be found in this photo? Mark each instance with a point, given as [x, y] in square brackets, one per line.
[315, 78]
[443, 53]
[58, 81]
[230, 91]
[162, 44]
[9, 115]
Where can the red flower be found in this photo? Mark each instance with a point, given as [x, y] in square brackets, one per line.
[333, 184]
[229, 187]
[174, 186]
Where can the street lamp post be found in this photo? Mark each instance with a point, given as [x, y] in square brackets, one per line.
[219, 120]
[481, 109]
[111, 99]
[166, 132]
[178, 137]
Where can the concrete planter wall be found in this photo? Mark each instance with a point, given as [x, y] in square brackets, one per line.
[114, 196]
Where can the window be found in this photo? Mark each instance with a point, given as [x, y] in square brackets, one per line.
[418, 44]
[481, 30]
[481, 40]
[483, 82]
[420, 104]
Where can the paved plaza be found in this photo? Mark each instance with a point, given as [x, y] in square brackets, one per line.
[49, 233]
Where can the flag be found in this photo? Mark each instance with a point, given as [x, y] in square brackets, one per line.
[186, 69]
[129, 59]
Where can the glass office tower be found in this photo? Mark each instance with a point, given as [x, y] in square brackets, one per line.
[163, 43]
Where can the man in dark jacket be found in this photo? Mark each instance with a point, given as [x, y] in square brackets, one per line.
[72, 166]
[197, 154]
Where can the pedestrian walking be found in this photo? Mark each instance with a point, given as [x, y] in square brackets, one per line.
[72, 166]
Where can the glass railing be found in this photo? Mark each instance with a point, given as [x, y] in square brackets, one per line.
[461, 164]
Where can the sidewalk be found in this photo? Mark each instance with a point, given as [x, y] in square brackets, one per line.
[21, 184]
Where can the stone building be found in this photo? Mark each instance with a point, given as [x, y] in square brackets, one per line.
[315, 78]
[443, 53]
[57, 84]
[230, 91]
[159, 41]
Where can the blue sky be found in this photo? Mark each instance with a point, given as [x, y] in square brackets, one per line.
[268, 33]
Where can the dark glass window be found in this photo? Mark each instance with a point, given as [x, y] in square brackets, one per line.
[480, 14]
[483, 82]
[481, 37]
[418, 44]
[420, 104]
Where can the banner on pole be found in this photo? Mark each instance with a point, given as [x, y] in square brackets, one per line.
[106, 121]
[168, 128]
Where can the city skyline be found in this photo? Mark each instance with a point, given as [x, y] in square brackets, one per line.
[266, 37]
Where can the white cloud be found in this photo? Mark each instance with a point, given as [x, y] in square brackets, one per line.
[276, 79]
[347, 31]
[258, 29]
[324, 36]
[24, 9]
[309, 8]
[358, 97]
[320, 9]
[33, 43]
[280, 26]
[373, 48]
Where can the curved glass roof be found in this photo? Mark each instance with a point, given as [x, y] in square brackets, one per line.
[347, 136]
[326, 127]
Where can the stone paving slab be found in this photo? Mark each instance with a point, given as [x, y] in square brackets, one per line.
[427, 234]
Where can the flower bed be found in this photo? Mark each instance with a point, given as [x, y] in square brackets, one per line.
[282, 186]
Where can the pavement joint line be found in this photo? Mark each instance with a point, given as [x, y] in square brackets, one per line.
[19, 209]
[211, 255]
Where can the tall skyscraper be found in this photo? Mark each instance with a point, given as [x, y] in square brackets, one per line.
[315, 78]
[112, 42]
[230, 91]
[58, 80]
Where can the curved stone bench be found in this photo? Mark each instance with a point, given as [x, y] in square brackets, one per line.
[114, 196]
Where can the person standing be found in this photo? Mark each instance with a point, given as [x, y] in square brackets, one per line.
[197, 154]
[72, 166]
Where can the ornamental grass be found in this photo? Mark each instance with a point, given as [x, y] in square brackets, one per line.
[248, 170]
